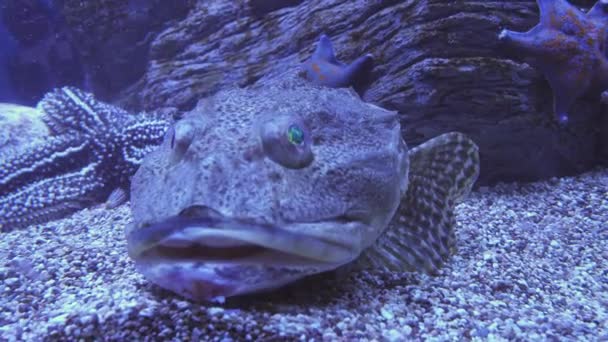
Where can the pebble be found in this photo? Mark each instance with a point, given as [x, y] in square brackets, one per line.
[482, 332]
[406, 330]
[215, 310]
[11, 282]
[394, 335]
[524, 323]
[182, 304]
[59, 319]
[501, 285]
[387, 314]
[147, 312]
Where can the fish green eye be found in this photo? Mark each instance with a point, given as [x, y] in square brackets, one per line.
[287, 141]
[295, 135]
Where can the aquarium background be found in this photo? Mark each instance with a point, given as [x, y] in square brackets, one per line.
[6, 53]
[39, 54]
[531, 260]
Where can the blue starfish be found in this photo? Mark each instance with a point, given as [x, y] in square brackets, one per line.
[569, 47]
[94, 149]
[323, 68]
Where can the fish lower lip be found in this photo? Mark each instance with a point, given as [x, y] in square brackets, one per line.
[194, 239]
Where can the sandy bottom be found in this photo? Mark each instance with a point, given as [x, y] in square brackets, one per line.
[532, 262]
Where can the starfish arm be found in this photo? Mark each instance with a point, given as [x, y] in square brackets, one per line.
[568, 47]
[549, 10]
[141, 136]
[53, 157]
[358, 67]
[70, 108]
[96, 148]
[49, 198]
[325, 50]
[599, 11]
[528, 44]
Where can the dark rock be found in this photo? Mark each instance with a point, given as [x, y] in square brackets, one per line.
[28, 20]
[113, 37]
[100, 46]
[261, 7]
[8, 49]
[601, 130]
[437, 62]
[43, 55]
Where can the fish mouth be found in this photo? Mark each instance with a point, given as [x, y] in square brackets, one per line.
[201, 234]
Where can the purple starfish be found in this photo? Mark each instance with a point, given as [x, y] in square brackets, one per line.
[323, 68]
[569, 47]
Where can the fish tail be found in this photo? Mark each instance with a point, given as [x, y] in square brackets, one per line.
[421, 235]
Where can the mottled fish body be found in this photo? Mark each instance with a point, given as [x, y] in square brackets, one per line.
[259, 187]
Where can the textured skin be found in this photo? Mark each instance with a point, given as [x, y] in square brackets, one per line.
[569, 47]
[323, 68]
[94, 149]
[216, 158]
[224, 168]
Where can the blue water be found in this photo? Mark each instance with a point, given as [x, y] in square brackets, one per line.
[36, 53]
[8, 49]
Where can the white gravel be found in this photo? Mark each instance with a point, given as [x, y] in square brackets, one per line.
[532, 264]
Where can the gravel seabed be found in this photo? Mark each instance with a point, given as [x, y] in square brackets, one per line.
[532, 264]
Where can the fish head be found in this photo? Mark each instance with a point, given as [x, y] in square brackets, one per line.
[258, 187]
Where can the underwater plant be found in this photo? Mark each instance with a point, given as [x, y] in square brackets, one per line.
[569, 48]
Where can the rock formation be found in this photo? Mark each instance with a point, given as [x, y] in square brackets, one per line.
[439, 63]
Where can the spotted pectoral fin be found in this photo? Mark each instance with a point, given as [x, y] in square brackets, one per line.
[117, 197]
[421, 235]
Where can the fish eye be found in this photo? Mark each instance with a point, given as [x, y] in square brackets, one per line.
[295, 134]
[287, 141]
